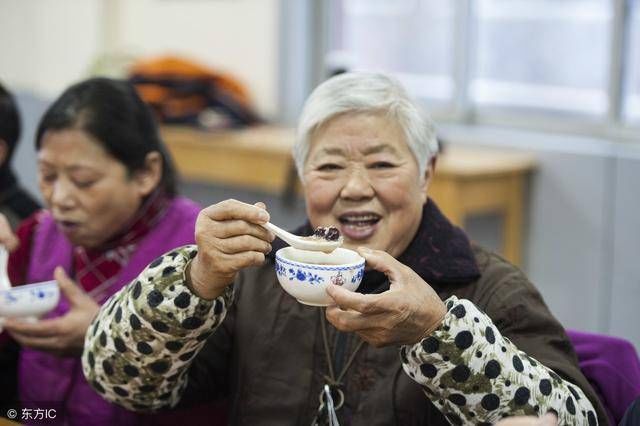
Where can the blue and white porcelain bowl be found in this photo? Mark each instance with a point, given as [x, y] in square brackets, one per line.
[305, 274]
[31, 300]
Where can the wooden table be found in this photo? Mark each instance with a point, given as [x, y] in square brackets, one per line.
[467, 181]
[477, 181]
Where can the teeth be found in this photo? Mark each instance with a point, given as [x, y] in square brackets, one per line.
[360, 218]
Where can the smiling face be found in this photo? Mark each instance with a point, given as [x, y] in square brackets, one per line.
[90, 194]
[361, 176]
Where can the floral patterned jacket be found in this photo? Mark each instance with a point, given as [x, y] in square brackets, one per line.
[499, 352]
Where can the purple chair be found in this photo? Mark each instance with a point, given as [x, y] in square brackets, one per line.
[612, 366]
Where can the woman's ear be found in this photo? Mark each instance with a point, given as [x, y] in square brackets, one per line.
[148, 178]
[428, 176]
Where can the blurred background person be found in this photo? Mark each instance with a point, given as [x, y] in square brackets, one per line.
[110, 191]
[16, 204]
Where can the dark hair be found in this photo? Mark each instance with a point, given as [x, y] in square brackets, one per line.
[9, 121]
[112, 112]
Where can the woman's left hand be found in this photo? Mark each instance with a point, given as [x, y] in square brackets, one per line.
[405, 314]
[64, 335]
[548, 419]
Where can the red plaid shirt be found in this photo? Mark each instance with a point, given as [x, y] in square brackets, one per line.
[93, 269]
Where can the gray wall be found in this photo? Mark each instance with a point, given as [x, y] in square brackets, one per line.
[625, 299]
[24, 160]
[583, 230]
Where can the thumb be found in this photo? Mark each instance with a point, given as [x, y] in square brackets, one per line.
[261, 205]
[380, 261]
[7, 237]
[67, 286]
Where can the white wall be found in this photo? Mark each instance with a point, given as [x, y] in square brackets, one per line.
[45, 45]
[237, 36]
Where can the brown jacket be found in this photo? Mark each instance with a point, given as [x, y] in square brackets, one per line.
[269, 359]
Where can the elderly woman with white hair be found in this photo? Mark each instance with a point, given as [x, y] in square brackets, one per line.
[440, 331]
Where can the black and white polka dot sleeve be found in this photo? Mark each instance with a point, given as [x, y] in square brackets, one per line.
[474, 375]
[140, 346]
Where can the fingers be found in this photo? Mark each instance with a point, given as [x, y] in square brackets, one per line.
[25, 329]
[230, 264]
[7, 237]
[49, 344]
[548, 419]
[233, 209]
[380, 261]
[230, 237]
[231, 218]
[231, 228]
[345, 299]
[243, 243]
[350, 320]
[68, 287]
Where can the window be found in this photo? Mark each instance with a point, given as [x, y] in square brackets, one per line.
[632, 102]
[571, 65]
[412, 39]
[549, 54]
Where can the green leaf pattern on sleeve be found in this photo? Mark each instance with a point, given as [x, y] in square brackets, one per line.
[474, 375]
[139, 347]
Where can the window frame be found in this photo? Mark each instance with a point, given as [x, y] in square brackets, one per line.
[613, 124]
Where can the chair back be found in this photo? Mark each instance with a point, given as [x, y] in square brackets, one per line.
[612, 366]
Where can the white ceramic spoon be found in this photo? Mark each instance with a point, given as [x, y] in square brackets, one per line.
[304, 243]
[5, 284]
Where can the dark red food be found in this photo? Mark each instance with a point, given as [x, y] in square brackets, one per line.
[320, 232]
[332, 234]
[329, 233]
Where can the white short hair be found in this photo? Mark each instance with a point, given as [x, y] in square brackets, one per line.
[357, 92]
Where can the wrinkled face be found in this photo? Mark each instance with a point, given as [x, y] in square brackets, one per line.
[361, 177]
[90, 194]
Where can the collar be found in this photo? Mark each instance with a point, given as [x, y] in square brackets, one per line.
[440, 253]
[149, 213]
[97, 269]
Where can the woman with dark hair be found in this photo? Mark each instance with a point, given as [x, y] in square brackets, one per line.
[109, 189]
[15, 203]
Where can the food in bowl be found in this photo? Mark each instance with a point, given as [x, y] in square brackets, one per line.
[305, 274]
[329, 233]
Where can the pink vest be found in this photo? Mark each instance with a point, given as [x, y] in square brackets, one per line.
[47, 378]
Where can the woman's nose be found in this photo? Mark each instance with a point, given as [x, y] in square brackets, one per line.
[357, 185]
[62, 195]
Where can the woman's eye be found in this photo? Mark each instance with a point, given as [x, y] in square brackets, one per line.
[381, 165]
[49, 178]
[84, 184]
[328, 167]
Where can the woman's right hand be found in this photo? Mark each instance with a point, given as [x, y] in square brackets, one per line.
[230, 237]
[7, 236]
